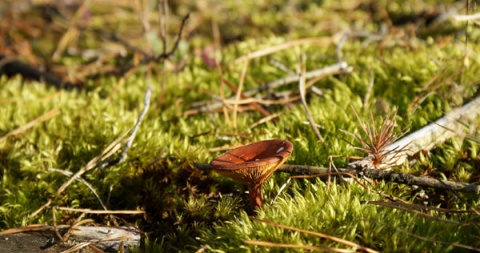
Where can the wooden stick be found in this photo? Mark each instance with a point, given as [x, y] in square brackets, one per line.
[389, 176]
[333, 69]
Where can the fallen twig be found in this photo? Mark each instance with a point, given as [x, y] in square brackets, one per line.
[107, 152]
[389, 176]
[333, 69]
[123, 155]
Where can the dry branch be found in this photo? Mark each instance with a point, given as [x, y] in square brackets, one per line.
[389, 176]
[334, 69]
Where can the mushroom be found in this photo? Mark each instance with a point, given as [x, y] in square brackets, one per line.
[253, 164]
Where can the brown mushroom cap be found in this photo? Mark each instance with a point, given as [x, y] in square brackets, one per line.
[254, 163]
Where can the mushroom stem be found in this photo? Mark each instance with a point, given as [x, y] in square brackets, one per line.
[256, 198]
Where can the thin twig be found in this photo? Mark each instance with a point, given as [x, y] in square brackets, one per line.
[388, 176]
[81, 180]
[177, 41]
[337, 68]
[46, 205]
[317, 74]
[54, 218]
[123, 155]
[113, 147]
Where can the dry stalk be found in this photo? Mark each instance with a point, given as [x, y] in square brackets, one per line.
[81, 180]
[314, 75]
[294, 246]
[239, 91]
[323, 41]
[90, 211]
[107, 152]
[317, 234]
[46, 116]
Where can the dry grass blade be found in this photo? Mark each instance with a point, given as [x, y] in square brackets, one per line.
[265, 119]
[314, 75]
[84, 210]
[400, 206]
[76, 247]
[421, 207]
[318, 234]
[321, 41]
[95, 249]
[239, 91]
[81, 180]
[77, 223]
[458, 245]
[46, 116]
[293, 246]
[29, 228]
[243, 96]
[47, 204]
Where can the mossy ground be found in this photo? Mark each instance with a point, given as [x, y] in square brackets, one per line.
[187, 209]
